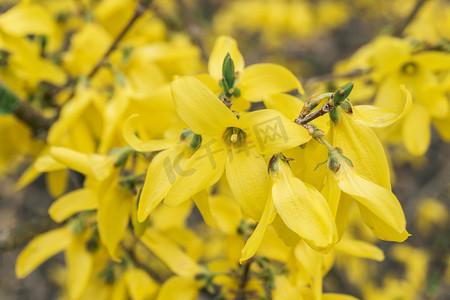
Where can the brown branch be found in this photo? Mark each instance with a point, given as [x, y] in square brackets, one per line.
[326, 108]
[243, 279]
[398, 31]
[140, 9]
[331, 77]
[33, 118]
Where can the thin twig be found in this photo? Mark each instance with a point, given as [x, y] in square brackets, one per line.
[192, 28]
[398, 31]
[330, 77]
[245, 276]
[33, 118]
[140, 9]
[326, 108]
[131, 252]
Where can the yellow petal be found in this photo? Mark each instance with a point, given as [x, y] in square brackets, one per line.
[258, 81]
[211, 82]
[359, 249]
[201, 200]
[156, 184]
[129, 130]
[114, 206]
[140, 285]
[118, 291]
[254, 241]
[345, 203]
[46, 163]
[70, 114]
[177, 260]
[289, 105]
[224, 44]
[443, 127]
[90, 165]
[433, 60]
[288, 236]
[362, 146]
[202, 170]
[226, 212]
[199, 108]
[375, 116]
[332, 193]
[27, 177]
[285, 290]
[178, 288]
[303, 209]
[248, 178]
[56, 182]
[389, 96]
[416, 130]
[72, 203]
[40, 249]
[79, 266]
[271, 132]
[379, 200]
[380, 227]
[27, 19]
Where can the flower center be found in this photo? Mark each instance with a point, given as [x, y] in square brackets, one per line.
[234, 136]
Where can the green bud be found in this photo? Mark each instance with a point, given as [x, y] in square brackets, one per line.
[342, 93]
[223, 83]
[92, 243]
[236, 92]
[77, 225]
[4, 56]
[123, 157]
[196, 142]
[228, 71]
[108, 275]
[200, 276]
[333, 161]
[185, 134]
[8, 101]
[126, 55]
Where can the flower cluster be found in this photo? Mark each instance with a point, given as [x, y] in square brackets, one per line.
[173, 179]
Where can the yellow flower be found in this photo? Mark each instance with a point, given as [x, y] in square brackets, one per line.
[301, 208]
[379, 207]
[254, 82]
[394, 62]
[79, 260]
[242, 140]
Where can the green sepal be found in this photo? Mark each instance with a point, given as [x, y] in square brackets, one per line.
[236, 92]
[334, 116]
